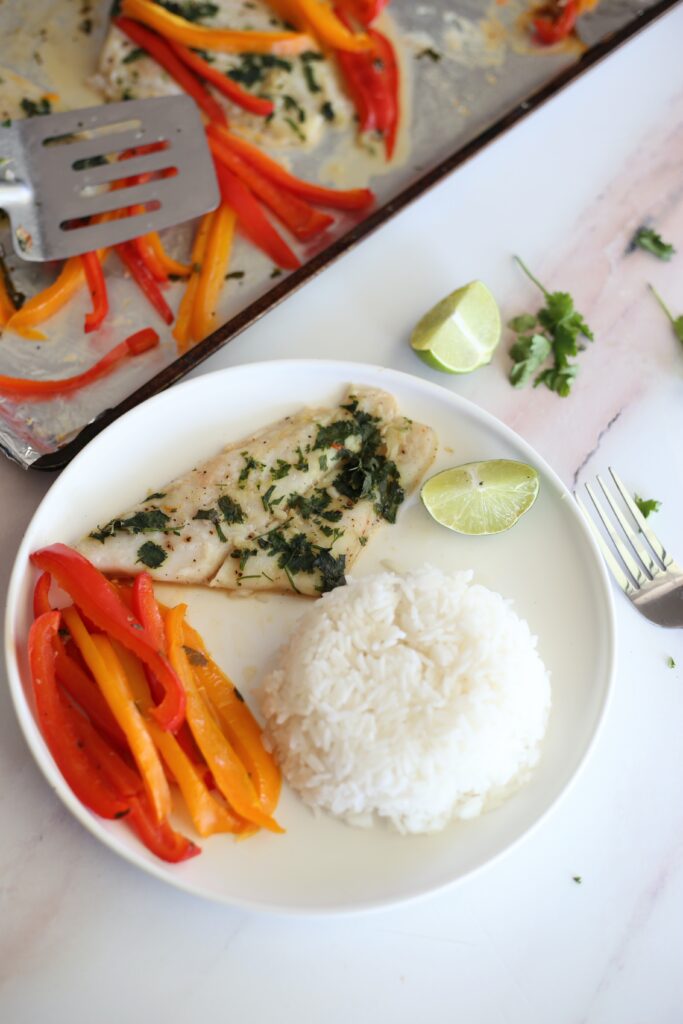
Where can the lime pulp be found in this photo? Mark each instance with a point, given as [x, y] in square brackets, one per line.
[461, 332]
[481, 498]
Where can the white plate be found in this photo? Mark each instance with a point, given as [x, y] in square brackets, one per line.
[548, 564]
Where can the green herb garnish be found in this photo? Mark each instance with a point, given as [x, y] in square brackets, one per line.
[230, 510]
[322, 462]
[34, 109]
[190, 10]
[309, 74]
[670, 662]
[648, 239]
[327, 110]
[268, 501]
[297, 554]
[578, 879]
[234, 275]
[148, 521]
[676, 321]
[301, 464]
[646, 505]
[562, 326]
[135, 54]
[151, 555]
[315, 505]
[253, 66]
[212, 515]
[282, 469]
[432, 54]
[249, 463]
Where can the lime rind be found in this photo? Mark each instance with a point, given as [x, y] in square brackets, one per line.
[481, 498]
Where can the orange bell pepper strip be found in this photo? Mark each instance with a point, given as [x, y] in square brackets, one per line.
[219, 39]
[56, 719]
[239, 725]
[7, 309]
[208, 815]
[98, 291]
[302, 220]
[48, 302]
[171, 267]
[317, 18]
[228, 771]
[212, 275]
[337, 199]
[181, 329]
[100, 657]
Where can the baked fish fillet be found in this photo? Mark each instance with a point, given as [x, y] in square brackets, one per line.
[287, 509]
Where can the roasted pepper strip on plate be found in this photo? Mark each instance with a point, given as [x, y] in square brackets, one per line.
[228, 771]
[56, 720]
[101, 659]
[99, 601]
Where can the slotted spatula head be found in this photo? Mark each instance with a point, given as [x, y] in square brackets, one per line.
[87, 179]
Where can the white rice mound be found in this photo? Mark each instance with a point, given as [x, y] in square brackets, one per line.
[416, 698]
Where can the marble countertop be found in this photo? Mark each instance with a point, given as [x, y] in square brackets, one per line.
[84, 936]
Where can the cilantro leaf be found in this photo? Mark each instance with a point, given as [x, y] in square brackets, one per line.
[528, 354]
[648, 239]
[670, 662]
[646, 505]
[523, 323]
[152, 555]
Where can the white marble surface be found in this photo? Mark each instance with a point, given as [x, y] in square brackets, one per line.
[85, 937]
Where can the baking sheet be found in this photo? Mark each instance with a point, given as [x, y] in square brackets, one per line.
[468, 74]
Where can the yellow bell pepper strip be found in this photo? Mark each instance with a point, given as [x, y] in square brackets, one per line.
[56, 718]
[212, 274]
[220, 39]
[237, 721]
[48, 302]
[208, 815]
[101, 659]
[318, 18]
[171, 267]
[181, 329]
[228, 771]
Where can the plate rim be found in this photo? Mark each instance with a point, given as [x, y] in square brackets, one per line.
[345, 371]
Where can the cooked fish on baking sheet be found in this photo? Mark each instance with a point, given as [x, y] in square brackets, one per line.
[287, 509]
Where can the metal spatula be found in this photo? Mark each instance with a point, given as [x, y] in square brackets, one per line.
[60, 172]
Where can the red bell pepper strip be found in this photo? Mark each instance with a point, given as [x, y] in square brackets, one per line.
[553, 29]
[56, 721]
[373, 81]
[253, 221]
[160, 50]
[302, 220]
[130, 257]
[26, 387]
[98, 291]
[124, 779]
[96, 597]
[159, 838]
[338, 199]
[390, 74]
[41, 595]
[81, 688]
[364, 11]
[232, 90]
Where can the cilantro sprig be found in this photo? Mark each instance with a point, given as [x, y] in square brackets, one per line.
[651, 241]
[676, 321]
[554, 331]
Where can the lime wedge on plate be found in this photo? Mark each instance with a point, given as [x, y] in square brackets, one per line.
[461, 332]
[481, 497]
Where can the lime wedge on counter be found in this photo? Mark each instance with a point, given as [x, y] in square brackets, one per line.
[481, 497]
[461, 332]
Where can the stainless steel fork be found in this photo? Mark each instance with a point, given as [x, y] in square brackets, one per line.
[652, 579]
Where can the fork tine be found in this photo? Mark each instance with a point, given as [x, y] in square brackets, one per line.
[620, 577]
[640, 550]
[636, 572]
[654, 541]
